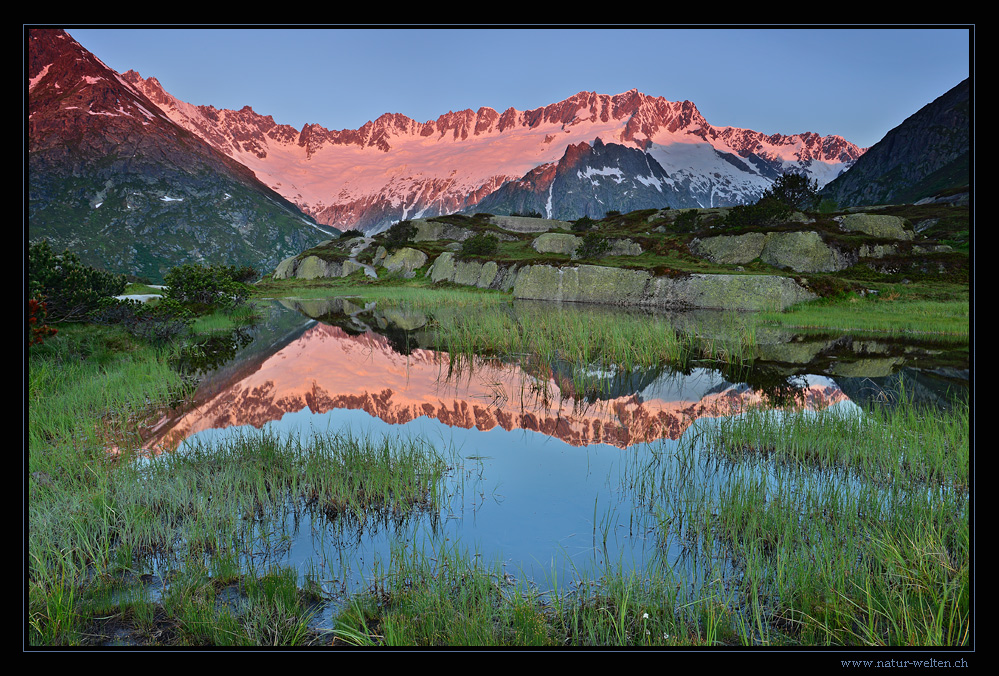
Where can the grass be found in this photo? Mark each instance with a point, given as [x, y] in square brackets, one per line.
[854, 527]
[817, 528]
[96, 518]
[888, 313]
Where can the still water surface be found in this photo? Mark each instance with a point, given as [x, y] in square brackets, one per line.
[543, 480]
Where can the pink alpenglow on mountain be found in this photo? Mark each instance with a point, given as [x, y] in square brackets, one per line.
[396, 168]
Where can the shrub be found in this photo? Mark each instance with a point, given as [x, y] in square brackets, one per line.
[245, 274]
[827, 206]
[350, 234]
[399, 234]
[582, 224]
[480, 245]
[767, 211]
[156, 323]
[770, 210]
[795, 191]
[38, 330]
[205, 287]
[594, 245]
[687, 221]
[68, 289]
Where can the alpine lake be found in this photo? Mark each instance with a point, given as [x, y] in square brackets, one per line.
[728, 466]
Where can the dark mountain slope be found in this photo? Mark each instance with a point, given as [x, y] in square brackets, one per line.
[113, 179]
[927, 153]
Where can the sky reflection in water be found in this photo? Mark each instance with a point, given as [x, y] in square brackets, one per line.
[540, 480]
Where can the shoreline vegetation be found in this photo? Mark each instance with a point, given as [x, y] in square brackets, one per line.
[828, 531]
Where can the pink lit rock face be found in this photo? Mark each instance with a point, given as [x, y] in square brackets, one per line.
[327, 369]
[396, 168]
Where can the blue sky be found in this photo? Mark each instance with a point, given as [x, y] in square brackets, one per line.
[855, 82]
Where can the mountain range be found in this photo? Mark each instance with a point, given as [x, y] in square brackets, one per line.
[582, 156]
[135, 180]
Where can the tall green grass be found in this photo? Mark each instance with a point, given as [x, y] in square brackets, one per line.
[99, 514]
[892, 315]
[846, 528]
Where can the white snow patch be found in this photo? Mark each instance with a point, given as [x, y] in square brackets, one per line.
[614, 173]
[35, 80]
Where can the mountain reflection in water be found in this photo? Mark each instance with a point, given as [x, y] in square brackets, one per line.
[326, 368]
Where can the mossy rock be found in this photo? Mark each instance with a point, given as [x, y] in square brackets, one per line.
[876, 225]
[583, 284]
[405, 260]
[431, 231]
[286, 268]
[485, 275]
[624, 247]
[526, 224]
[802, 251]
[617, 286]
[727, 292]
[557, 243]
[729, 249]
[314, 267]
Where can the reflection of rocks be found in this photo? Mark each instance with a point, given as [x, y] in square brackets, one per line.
[936, 388]
[407, 320]
[866, 368]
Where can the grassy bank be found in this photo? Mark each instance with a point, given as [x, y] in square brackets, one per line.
[823, 529]
[892, 309]
[101, 523]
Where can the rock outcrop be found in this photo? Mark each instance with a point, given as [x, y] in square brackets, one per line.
[430, 231]
[568, 245]
[876, 225]
[528, 224]
[406, 260]
[807, 250]
[485, 275]
[802, 251]
[617, 286]
[314, 267]
[558, 243]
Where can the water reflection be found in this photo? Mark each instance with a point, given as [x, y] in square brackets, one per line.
[551, 460]
[326, 368]
[356, 357]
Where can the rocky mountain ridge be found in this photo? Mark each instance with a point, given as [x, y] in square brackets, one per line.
[395, 168]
